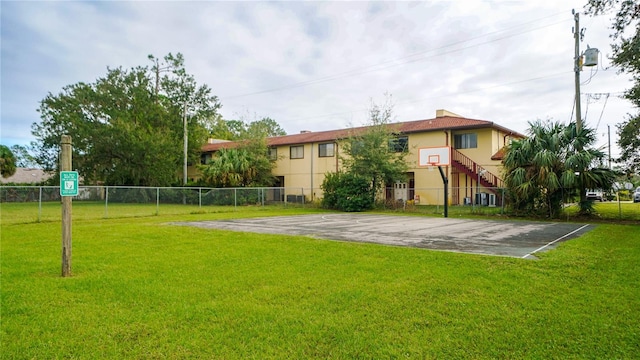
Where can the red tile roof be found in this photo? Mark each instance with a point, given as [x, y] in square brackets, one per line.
[499, 155]
[440, 123]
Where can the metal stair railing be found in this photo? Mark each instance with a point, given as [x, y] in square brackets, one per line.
[471, 168]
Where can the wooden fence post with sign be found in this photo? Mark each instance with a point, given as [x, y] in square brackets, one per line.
[66, 191]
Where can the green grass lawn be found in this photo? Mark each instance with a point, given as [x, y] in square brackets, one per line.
[612, 210]
[605, 211]
[90, 210]
[144, 289]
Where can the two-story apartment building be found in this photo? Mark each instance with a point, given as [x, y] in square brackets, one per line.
[476, 146]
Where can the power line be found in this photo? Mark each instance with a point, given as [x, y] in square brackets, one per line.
[602, 112]
[596, 97]
[573, 108]
[586, 111]
[441, 96]
[393, 63]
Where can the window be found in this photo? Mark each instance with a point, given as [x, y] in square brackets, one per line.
[326, 150]
[205, 158]
[273, 153]
[465, 141]
[296, 152]
[399, 144]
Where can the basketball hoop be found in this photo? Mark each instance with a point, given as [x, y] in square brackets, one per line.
[431, 157]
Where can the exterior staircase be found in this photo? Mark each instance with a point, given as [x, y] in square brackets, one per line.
[467, 166]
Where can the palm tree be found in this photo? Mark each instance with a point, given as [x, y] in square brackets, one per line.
[7, 162]
[238, 167]
[548, 166]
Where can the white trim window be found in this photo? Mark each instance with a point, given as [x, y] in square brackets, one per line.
[465, 141]
[326, 150]
[273, 153]
[296, 152]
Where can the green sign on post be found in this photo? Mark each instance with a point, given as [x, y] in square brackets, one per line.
[68, 183]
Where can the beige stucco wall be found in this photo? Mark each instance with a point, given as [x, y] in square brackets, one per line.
[307, 173]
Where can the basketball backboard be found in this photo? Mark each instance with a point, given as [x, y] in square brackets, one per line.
[434, 156]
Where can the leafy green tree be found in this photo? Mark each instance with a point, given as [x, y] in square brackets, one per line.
[227, 130]
[23, 158]
[626, 56]
[7, 162]
[236, 128]
[370, 151]
[265, 127]
[240, 130]
[540, 170]
[248, 164]
[127, 127]
[629, 142]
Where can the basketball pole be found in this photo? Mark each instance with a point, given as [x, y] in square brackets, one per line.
[446, 191]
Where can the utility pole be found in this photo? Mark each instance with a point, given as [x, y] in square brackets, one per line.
[186, 142]
[577, 34]
[577, 66]
[609, 144]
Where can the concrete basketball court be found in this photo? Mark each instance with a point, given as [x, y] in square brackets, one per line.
[520, 239]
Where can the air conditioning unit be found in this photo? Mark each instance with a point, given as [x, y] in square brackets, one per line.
[482, 199]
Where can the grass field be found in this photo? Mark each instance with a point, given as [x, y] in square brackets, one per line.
[147, 290]
[606, 211]
[91, 210]
[612, 210]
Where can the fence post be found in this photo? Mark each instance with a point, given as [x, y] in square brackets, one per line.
[235, 198]
[502, 201]
[437, 201]
[619, 206]
[157, 201]
[40, 205]
[199, 197]
[106, 202]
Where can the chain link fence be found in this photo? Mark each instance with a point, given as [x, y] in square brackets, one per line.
[41, 203]
[144, 201]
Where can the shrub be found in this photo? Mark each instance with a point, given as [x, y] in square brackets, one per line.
[347, 192]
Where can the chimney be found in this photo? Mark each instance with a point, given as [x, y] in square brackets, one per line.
[442, 113]
[305, 131]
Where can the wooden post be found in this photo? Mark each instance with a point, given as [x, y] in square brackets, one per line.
[65, 165]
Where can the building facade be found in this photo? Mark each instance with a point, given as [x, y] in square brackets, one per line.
[302, 160]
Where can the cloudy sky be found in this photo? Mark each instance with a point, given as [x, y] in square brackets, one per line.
[317, 65]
